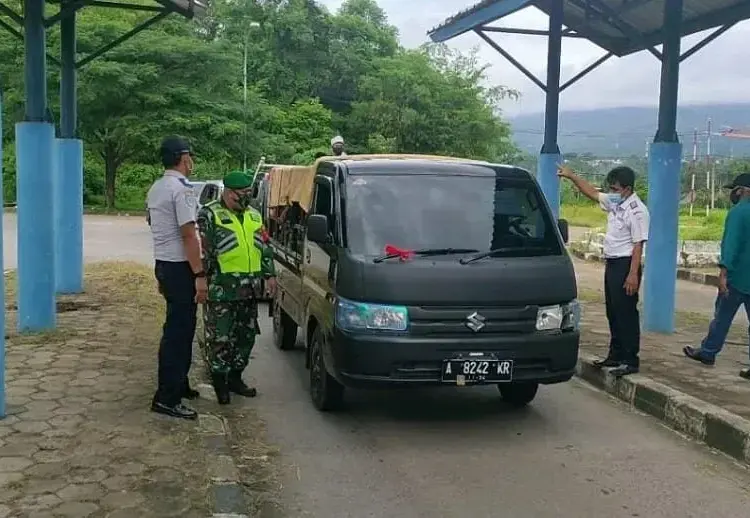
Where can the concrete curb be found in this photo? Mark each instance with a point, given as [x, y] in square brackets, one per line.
[709, 279]
[702, 421]
[226, 493]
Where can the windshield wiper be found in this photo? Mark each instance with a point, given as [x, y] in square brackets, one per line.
[426, 252]
[499, 251]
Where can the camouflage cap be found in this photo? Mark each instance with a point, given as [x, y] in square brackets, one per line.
[237, 180]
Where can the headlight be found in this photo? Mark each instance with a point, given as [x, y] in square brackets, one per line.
[357, 316]
[549, 318]
[565, 316]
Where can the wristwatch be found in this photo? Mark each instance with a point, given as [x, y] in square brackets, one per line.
[201, 273]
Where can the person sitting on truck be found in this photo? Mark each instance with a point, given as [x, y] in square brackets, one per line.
[337, 146]
[235, 258]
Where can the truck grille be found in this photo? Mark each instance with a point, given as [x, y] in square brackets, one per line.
[427, 321]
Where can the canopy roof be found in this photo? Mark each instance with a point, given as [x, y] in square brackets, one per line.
[619, 26]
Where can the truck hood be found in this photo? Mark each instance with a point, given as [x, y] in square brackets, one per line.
[444, 281]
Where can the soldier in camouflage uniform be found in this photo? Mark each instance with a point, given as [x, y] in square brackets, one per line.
[235, 257]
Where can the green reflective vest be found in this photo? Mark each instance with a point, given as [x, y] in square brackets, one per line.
[238, 251]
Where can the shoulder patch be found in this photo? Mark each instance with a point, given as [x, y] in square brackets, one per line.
[184, 182]
[633, 204]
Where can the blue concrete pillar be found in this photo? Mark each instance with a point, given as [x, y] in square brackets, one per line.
[68, 184]
[35, 152]
[2, 278]
[550, 154]
[69, 216]
[664, 170]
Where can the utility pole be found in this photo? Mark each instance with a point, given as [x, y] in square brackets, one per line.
[693, 165]
[708, 171]
[711, 169]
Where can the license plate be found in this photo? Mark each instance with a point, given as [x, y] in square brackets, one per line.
[463, 371]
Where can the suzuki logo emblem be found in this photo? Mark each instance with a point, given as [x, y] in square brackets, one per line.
[475, 322]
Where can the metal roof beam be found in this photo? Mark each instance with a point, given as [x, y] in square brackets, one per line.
[462, 24]
[10, 13]
[580, 75]
[109, 46]
[504, 53]
[705, 41]
[528, 32]
[631, 5]
[726, 16]
[609, 16]
[68, 9]
[18, 34]
[130, 7]
[186, 8]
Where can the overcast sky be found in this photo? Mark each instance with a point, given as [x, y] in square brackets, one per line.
[715, 74]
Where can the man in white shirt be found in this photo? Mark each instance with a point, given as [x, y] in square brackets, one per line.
[627, 233]
[179, 271]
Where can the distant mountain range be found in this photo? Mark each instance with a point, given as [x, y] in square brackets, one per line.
[621, 132]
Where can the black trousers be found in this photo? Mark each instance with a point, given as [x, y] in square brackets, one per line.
[622, 312]
[177, 285]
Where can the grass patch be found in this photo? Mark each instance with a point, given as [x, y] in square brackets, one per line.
[589, 215]
[698, 227]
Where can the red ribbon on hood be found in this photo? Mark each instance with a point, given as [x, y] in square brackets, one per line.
[402, 253]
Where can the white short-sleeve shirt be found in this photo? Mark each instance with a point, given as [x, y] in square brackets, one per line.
[171, 204]
[627, 224]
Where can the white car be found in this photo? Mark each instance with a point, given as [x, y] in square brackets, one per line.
[207, 191]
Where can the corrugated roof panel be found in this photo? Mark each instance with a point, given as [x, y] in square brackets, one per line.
[513, 5]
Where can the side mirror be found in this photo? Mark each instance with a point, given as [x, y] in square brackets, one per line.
[317, 228]
[562, 225]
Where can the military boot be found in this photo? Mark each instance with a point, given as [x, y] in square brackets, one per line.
[221, 387]
[238, 386]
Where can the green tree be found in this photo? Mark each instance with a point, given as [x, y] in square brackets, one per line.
[150, 87]
[431, 100]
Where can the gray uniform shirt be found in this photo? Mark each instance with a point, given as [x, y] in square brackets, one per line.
[171, 204]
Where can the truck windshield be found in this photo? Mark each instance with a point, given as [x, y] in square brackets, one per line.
[420, 211]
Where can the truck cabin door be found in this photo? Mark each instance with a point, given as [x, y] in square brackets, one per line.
[318, 257]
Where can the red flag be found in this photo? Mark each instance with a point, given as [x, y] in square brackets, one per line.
[402, 253]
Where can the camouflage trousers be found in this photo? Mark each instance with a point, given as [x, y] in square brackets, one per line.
[230, 330]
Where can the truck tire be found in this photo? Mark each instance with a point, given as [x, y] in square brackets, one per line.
[284, 329]
[326, 393]
[518, 394]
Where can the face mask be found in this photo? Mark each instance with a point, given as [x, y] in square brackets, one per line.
[734, 196]
[243, 200]
[614, 198]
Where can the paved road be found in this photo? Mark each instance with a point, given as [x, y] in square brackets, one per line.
[445, 453]
[105, 238]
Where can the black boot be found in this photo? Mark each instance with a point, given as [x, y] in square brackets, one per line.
[221, 387]
[238, 386]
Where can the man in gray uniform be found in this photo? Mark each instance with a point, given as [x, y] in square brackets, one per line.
[179, 272]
